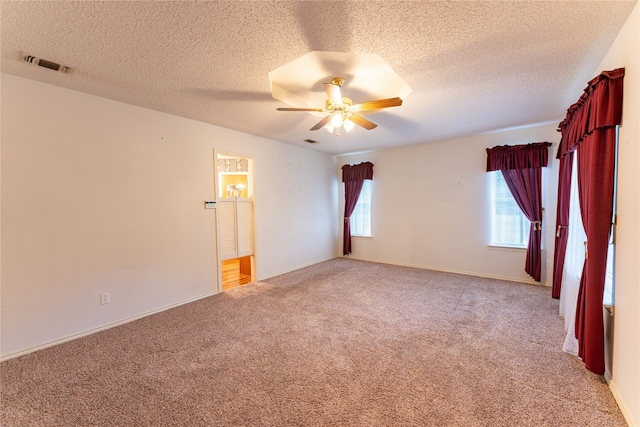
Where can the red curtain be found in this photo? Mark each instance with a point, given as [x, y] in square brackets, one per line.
[353, 177]
[590, 126]
[599, 106]
[521, 167]
[525, 186]
[596, 166]
[562, 222]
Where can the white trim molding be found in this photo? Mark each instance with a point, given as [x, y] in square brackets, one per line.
[100, 328]
[622, 405]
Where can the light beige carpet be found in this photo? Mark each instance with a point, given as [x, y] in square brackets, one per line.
[340, 343]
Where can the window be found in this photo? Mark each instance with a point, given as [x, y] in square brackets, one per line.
[509, 226]
[361, 216]
[609, 283]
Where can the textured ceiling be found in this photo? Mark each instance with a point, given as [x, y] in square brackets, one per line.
[472, 66]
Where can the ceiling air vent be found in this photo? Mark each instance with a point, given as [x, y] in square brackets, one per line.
[45, 63]
[311, 141]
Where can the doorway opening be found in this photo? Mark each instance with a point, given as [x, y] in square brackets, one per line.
[235, 220]
[236, 272]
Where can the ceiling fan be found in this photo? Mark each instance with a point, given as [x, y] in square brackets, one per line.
[341, 110]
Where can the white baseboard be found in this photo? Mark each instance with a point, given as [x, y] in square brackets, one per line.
[131, 319]
[622, 405]
[100, 328]
[445, 270]
[294, 268]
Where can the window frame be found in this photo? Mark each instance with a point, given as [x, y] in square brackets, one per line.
[363, 206]
[525, 223]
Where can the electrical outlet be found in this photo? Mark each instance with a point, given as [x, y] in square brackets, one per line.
[105, 298]
[549, 264]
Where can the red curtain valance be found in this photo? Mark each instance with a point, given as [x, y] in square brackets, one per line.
[525, 156]
[600, 106]
[358, 172]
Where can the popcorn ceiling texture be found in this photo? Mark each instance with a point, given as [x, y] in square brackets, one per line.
[473, 66]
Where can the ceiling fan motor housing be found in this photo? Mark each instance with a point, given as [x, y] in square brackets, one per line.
[345, 106]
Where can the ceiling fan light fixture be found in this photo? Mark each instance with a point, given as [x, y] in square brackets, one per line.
[348, 124]
[342, 113]
[336, 120]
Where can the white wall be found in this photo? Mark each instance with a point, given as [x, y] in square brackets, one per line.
[625, 383]
[431, 208]
[100, 196]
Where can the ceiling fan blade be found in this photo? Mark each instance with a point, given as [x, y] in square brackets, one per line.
[361, 121]
[321, 123]
[381, 103]
[299, 109]
[333, 93]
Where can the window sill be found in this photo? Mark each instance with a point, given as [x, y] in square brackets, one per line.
[362, 237]
[507, 248]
